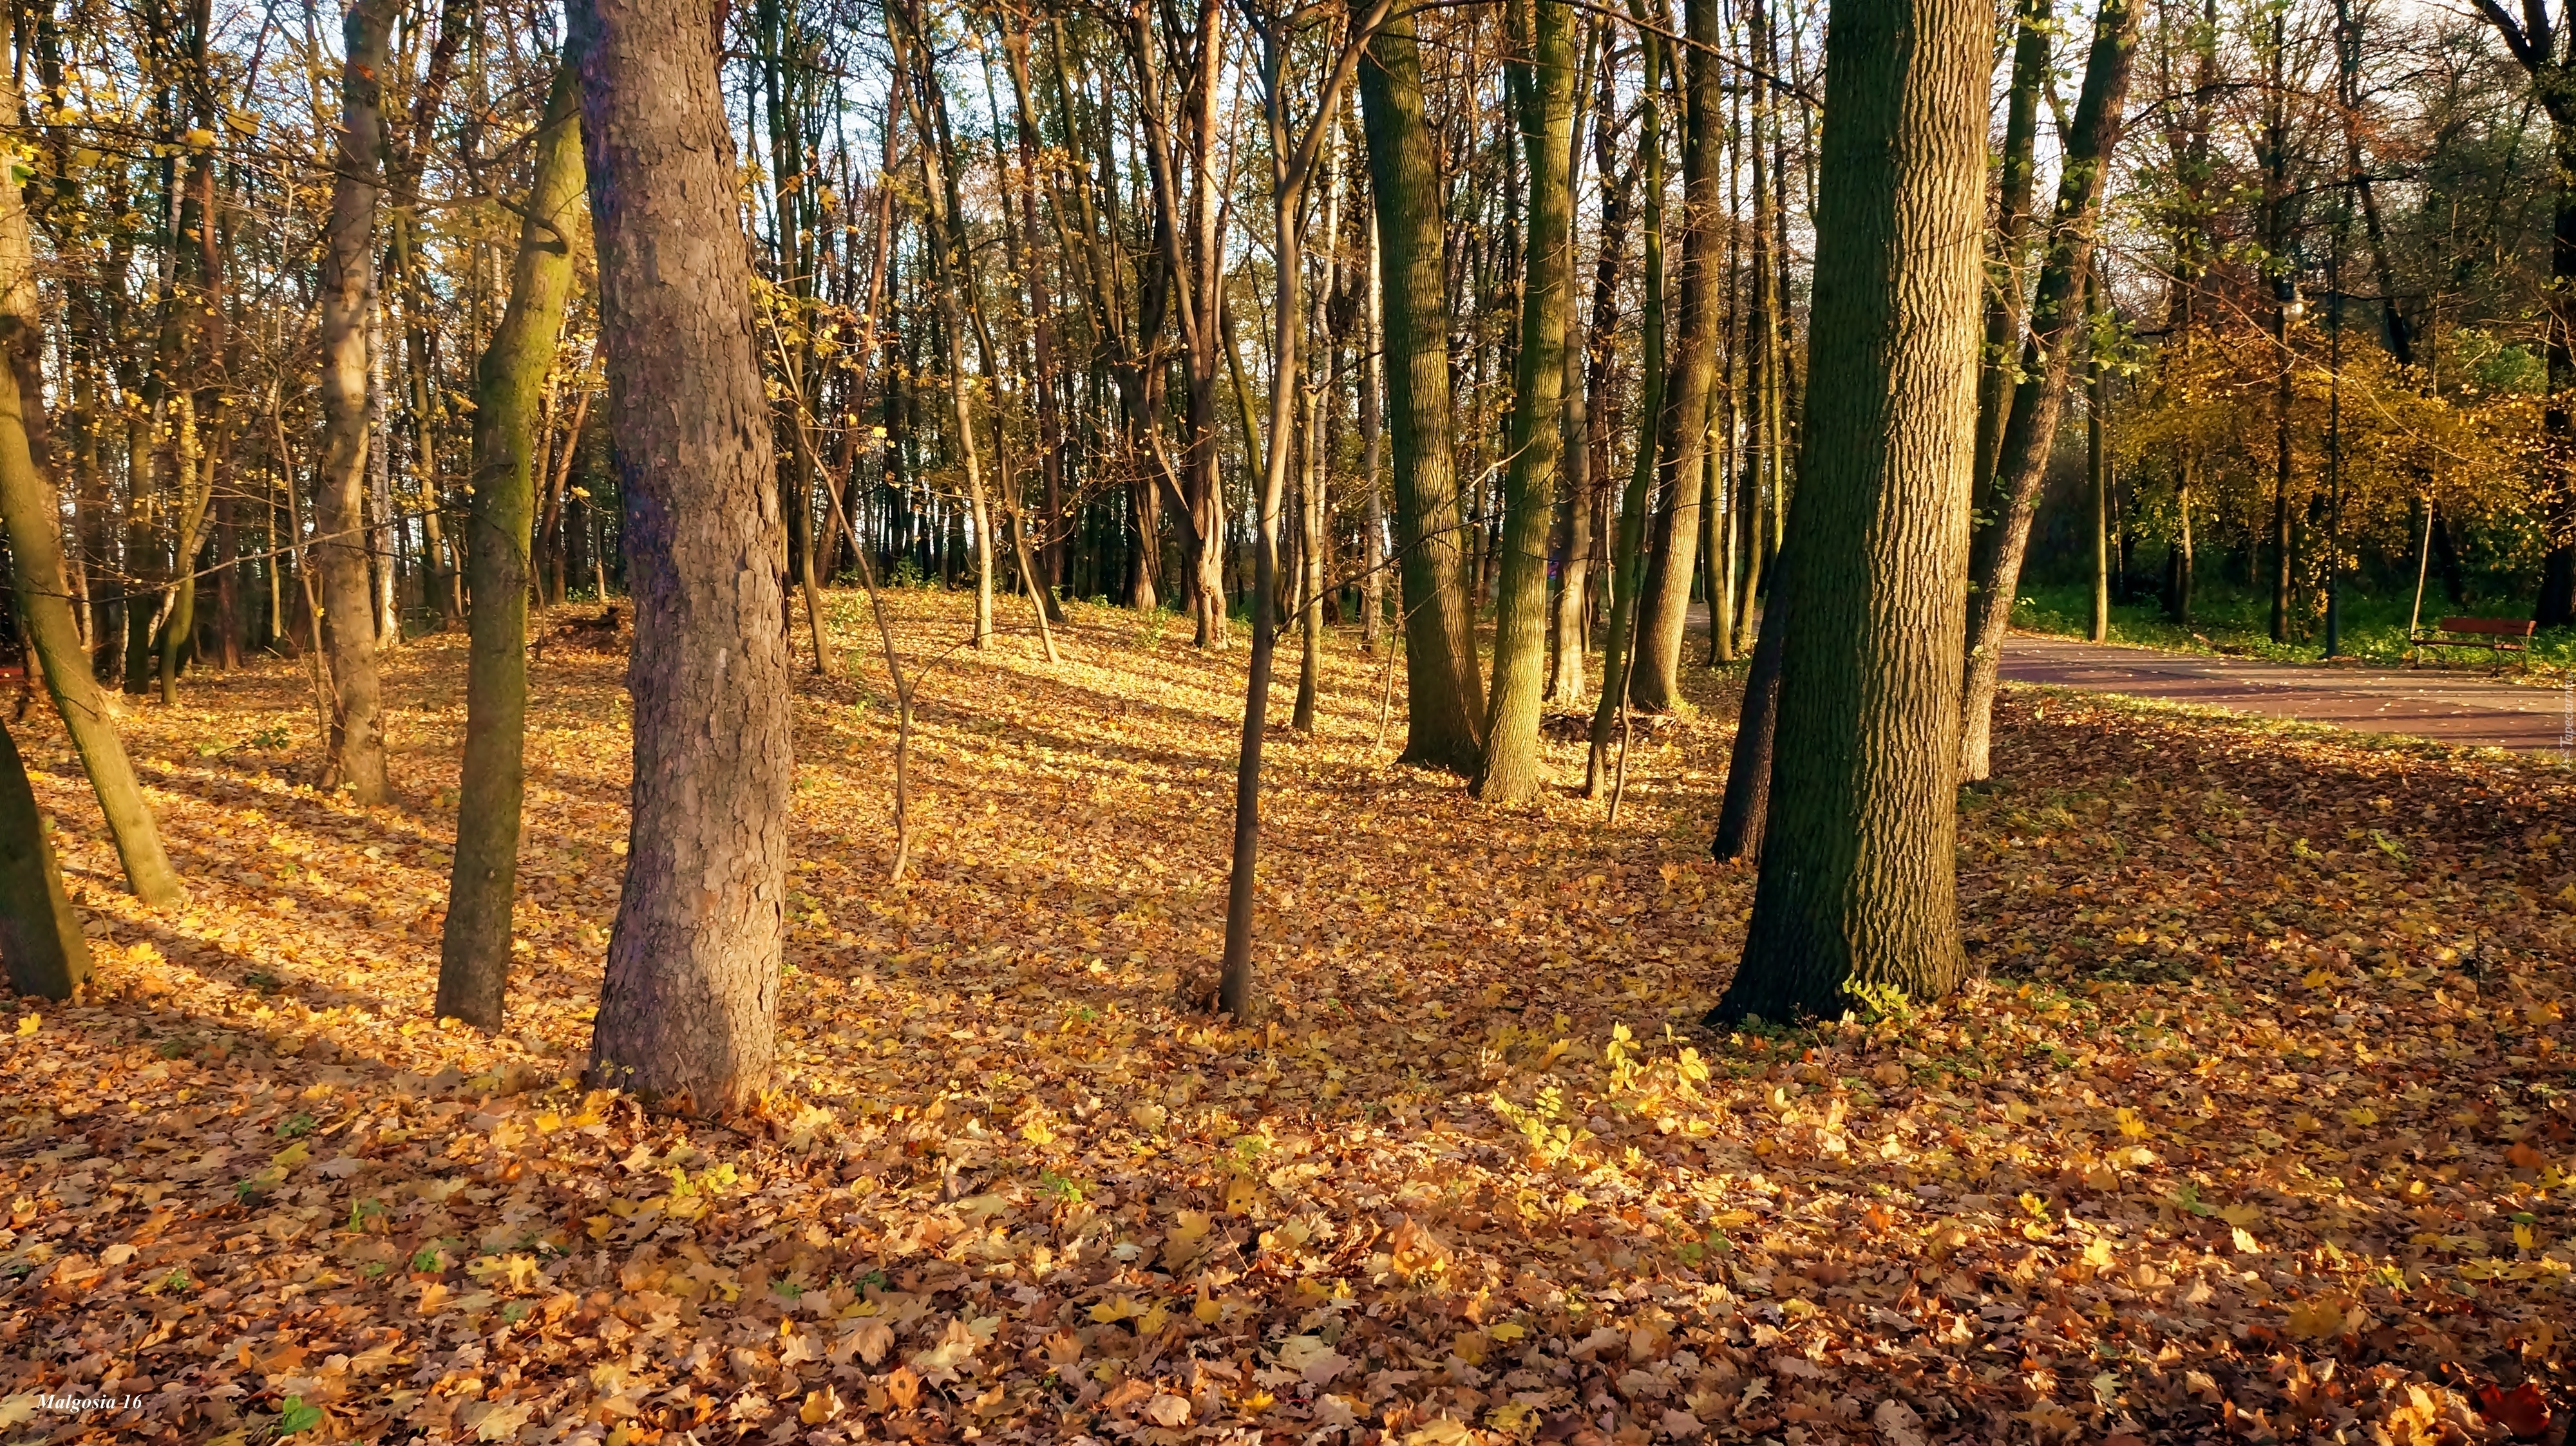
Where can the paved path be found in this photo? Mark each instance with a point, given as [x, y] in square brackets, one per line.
[2452, 706]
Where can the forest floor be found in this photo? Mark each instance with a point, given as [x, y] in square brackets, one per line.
[2259, 1127]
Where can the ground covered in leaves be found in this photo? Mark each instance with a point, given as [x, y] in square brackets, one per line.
[2260, 1128]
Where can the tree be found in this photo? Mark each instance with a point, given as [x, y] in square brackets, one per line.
[31, 514]
[2546, 49]
[1292, 166]
[1627, 565]
[1543, 80]
[474, 948]
[357, 747]
[687, 1012]
[2057, 341]
[1445, 728]
[1654, 679]
[40, 936]
[1857, 885]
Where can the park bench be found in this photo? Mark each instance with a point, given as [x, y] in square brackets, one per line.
[2496, 635]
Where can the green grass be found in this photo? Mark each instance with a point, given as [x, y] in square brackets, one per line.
[2238, 623]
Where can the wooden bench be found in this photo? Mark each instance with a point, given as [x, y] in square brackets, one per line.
[2496, 635]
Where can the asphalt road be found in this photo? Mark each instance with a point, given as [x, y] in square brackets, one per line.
[2451, 705]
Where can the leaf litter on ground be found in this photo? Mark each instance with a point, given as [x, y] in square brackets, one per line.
[2256, 1126]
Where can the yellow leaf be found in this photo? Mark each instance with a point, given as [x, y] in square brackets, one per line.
[2098, 1254]
[2245, 1242]
[30, 1025]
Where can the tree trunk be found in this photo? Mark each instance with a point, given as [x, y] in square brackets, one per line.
[1372, 460]
[474, 949]
[1655, 682]
[1569, 625]
[2048, 369]
[2097, 463]
[1445, 727]
[1314, 547]
[31, 515]
[1618, 648]
[952, 270]
[1544, 89]
[2008, 271]
[40, 936]
[2556, 605]
[1745, 810]
[1857, 891]
[687, 1012]
[356, 760]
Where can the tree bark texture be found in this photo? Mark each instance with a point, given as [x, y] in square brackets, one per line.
[356, 760]
[1443, 690]
[474, 948]
[1858, 891]
[687, 1013]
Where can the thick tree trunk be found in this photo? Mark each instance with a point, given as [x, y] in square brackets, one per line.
[40, 936]
[1445, 727]
[1857, 892]
[1654, 683]
[2048, 369]
[357, 749]
[31, 516]
[1544, 89]
[474, 949]
[687, 1013]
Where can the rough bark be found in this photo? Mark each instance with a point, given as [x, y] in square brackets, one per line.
[474, 948]
[1445, 727]
[1857, 890]
[1544, 90]
[687, 1013]
[2047, 369]
[356, 760]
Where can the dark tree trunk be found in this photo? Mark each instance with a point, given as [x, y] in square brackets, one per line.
[1746, 807]
[1857, 892]
[687, 1013]
[40, 936]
